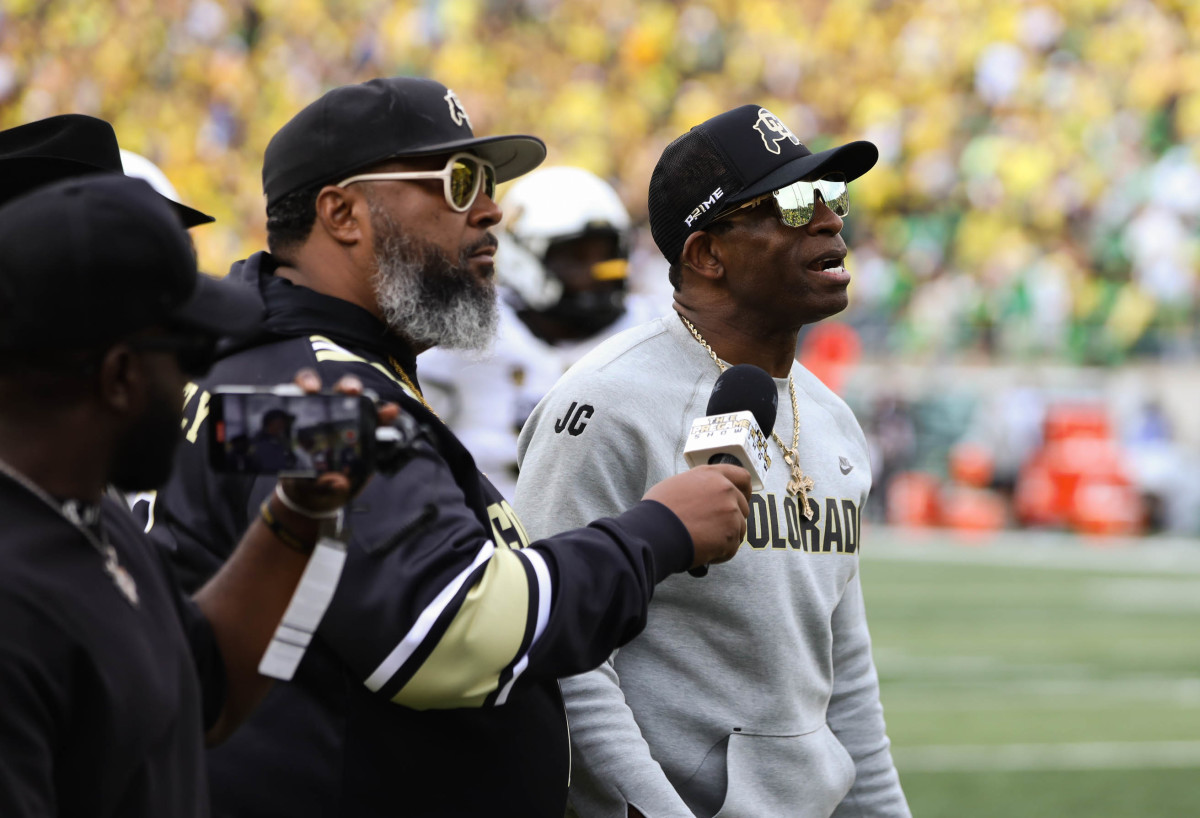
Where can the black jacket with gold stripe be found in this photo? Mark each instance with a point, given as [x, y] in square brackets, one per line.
[431, 687]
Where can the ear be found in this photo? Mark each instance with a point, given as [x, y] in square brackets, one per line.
[702, 256]
[343, 213]
[121, 380]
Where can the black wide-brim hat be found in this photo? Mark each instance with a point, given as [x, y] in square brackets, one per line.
[65, 147]
[354, 127]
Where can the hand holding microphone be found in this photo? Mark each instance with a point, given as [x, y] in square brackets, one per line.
[736, 425]
[713, 498]
[712, 502]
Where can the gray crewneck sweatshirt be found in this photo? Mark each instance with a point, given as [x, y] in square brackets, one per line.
[752, 691]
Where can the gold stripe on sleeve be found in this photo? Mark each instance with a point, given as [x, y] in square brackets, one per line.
[326, 350]
[483, 639]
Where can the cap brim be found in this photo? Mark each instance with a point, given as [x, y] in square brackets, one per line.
[853, 159]
[222, 307]
[190, 216]
[512, 156]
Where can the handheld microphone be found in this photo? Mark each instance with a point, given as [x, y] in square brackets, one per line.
[739, 418]
[737, 422]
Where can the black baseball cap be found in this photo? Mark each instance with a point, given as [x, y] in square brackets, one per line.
[355, 126]
[64, 147]
[87, 261]
[730, 159]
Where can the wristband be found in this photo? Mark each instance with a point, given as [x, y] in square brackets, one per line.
[292, 505]
[282, 533]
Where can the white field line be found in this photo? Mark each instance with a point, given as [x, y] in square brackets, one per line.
[1099, 755]
[1178, 595]
[1038, 694]
[1173, 557]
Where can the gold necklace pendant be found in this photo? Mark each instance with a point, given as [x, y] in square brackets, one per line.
[799, 485]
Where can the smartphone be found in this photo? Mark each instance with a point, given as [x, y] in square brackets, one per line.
[281, 430]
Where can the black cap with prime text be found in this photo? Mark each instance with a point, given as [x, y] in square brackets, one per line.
[730, 159]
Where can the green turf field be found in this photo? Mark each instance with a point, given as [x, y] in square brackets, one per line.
[1038, 676]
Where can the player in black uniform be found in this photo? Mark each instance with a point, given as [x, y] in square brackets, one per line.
[431, 688]
[110, 678]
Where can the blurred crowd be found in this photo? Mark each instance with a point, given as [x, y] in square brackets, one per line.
[1037, 197]
[1039, 186]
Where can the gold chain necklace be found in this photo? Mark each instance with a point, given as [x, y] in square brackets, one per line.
[800, 485]
[412, 387]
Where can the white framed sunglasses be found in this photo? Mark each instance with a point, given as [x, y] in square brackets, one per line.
[464, 175]
[797, 203]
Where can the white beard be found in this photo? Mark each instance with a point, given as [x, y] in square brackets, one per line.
[425, 297]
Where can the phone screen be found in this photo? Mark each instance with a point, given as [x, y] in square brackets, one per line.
[301, 435]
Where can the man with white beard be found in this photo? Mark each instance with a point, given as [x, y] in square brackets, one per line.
[430, 688]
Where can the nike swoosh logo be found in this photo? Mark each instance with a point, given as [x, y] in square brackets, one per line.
[844, 465]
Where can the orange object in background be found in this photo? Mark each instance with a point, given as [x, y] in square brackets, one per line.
[1076, 420]
[1078, 479]
[828, 350]
[971, 464]
[1107, 508]
[967, 504]
[912, 499]
[973, 510]
[1035, 499]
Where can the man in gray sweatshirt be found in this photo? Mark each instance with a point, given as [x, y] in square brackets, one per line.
[751, 692]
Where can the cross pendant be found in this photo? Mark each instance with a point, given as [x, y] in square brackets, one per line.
[800, 486]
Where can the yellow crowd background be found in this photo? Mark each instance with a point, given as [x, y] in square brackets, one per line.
[1038, 191]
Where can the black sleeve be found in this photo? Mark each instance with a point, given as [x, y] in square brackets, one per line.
[439, 604]
[608, 581]
[202, 643]
[434, 610]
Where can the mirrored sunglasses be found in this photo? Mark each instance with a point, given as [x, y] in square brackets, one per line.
[797, 203]
[462, 178]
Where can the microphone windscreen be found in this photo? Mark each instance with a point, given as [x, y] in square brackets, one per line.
[745, 388]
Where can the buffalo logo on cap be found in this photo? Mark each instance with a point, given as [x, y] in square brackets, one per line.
[773, 131]
[457, 112]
